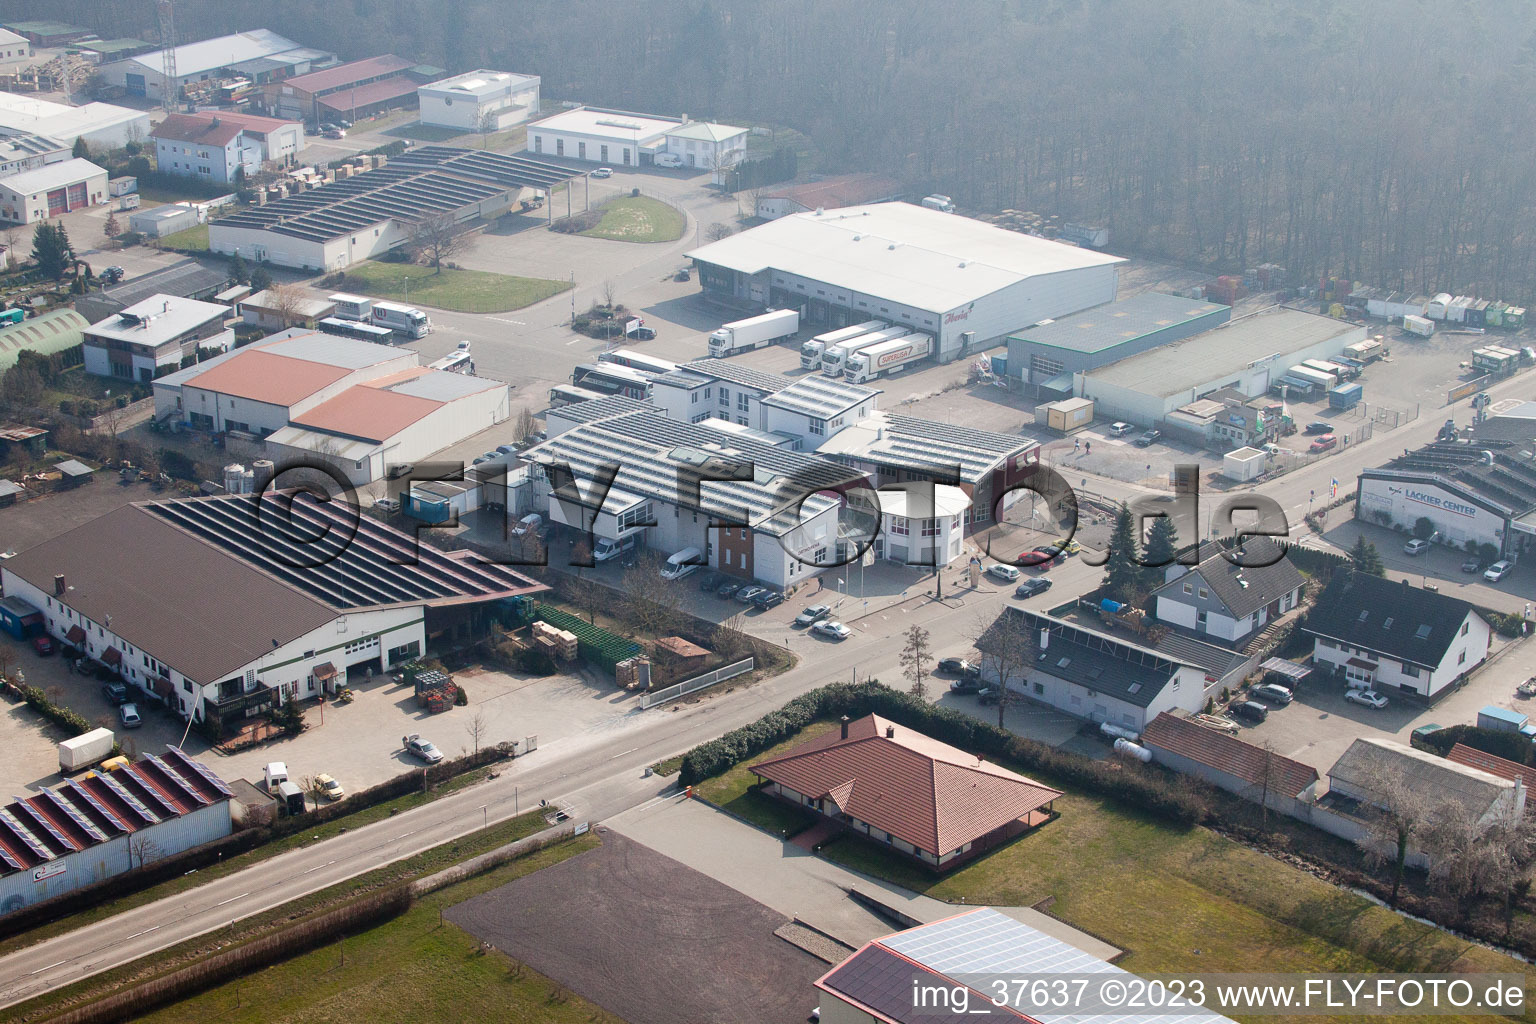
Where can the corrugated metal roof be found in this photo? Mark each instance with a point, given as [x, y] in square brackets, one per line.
[820, 397]
[443, 386]
[59, 331]
[261, 376]
[209, 54]
[343, 75]
[1370, 759]
[58, 175]
[1107, 326]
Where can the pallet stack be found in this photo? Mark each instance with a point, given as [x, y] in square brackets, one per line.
[559, 644]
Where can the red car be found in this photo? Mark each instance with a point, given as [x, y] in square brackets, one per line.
[1324, 443]
[43, 645]
[1039, 557]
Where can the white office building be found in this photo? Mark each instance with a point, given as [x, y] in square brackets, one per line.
[480, 100]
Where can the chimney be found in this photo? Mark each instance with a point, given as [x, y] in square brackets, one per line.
[1045, 638]
[890, 732]
[58, 585]
[845, 717]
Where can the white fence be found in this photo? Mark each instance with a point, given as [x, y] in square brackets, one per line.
[688, 686]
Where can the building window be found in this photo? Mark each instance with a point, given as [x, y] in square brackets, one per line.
[1461, 659]
[742, 401]
[694, 398]
[725, 397]
[1464, 627]
[930, 527]
[820, 556]
[1039, 689]
[818, 426]
[899, 526]
[743, 421]
[1412, 671]
[1189, 588]
[538, 143]
[1204, 593]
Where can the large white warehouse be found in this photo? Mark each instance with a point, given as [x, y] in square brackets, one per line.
[965, 281]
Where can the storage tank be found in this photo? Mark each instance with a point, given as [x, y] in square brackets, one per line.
[1125, 748]
[1111, 729]
[237, 479]
[262, 471]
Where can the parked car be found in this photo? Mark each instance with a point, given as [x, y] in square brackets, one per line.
[1031, 587]
[389, 506]
[1006, 573]
[343, 123]
[1319, 427]
[42, 644]
[1416, 546]
[958, 667]
[832, 630]
[112, 275]
[1249, 709]
[1119, 429]
[423, 749]
[1498, 570]
[988, 695]
[1473, 564]
[746, 594]
[507, 449]
[1148, 439]
[329, 787]
[336, 133]
[1370, 698]
[1067, 546]
[1039, 557]
[398, 471]
[128, 714]
[115, 693]
[768, 598]
[1273, 693]
[964, 687]
[1323, 443]
[729, 587]
[812, 615]
[603, 172]
[642, 334]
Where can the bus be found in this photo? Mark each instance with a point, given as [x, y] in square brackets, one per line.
[637, 360]
[570, 394]
[613, 379]
[12, 316]
[356, 329]
[458, 361]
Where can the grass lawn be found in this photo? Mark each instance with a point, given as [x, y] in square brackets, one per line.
[190, 240]
[734, 791]
[1177, 900]
[638, 219]
[151, 196]
[410, 968]
[465, 291]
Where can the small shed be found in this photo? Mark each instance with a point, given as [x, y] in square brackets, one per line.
[74, 472]
[163, 220]
[1244, 464]
[19, 618]
[33, 440]
[1067, 416]
[678, 654]
[1504, 720]
[10, 491]
[123, 185]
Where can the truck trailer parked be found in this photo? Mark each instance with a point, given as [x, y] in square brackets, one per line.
[85, 750]
[753, 332]
[888, 357]
[811, 351]
[1422, 326]
[834, 359]
[352, 307]
[406, 320]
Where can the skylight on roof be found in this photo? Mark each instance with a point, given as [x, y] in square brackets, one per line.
[1133, 688]
[1363, 613]
[1064, 662]
[1388, 623]
[1423, 631]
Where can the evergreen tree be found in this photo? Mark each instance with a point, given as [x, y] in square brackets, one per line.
[260, 279]
[238, 270]
[1366, 559]
[1162, 546]
[112, 228]
[82, 150]
[51, 250]
[1122, 572]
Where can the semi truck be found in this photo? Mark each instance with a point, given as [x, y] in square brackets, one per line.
[406, 320]
[754, 332]
[85, 750]
[810, 352]
[1420, 325]
[888, 357]
[835, 358]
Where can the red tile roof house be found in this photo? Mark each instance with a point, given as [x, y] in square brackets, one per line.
[1253, 773]
[937, 805]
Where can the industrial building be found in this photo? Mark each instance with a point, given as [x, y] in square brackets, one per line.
[223, 607]
[365, 215]
[361, 87]
[1248, 354]
[14, 46]
[51, 191]
[353, 405]
[777, 201]
[1481, 489]
[220, 146]
[154, 337]
[479, 100]
[1046, 356]
[99, 124]
[601, 136]
[51, 334]
[967, 283]
[104, 824]
[49, 33]
[707, 145]
[210, 59]
[26, 151]
[184, 279]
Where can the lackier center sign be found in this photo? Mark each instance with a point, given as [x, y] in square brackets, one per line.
[1446, 504]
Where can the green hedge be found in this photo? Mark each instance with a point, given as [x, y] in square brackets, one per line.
[1167, 796]
[595, 644]
[1511, 746]
[38, 701]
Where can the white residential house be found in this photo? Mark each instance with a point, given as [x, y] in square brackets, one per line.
[1230, 595]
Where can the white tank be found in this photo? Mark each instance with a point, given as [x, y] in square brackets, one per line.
[237, 479]
[262, 471]
[1125, 748]
[1110, 729]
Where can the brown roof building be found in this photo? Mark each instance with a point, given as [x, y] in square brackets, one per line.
[828, 194]
[1226, 761]
[361, 86]
[933, 802]
[1493, 764]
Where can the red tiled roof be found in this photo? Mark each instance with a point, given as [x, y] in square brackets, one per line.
[1227, 754]
[843, 190]
[199, 131]
[344, 100]
[369, 414]
[266, 377]
[928, 793]
[346, 74]
[1492, 764]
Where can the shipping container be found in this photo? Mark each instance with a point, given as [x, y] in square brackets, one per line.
[1345, 396]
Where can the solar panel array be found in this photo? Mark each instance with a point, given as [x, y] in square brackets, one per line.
[200, 769]
[86, 825]
[133, 803]
[433, 179]
[328, 551]
[13, 824]
[36, 819]
[186, 787]
[77, 790]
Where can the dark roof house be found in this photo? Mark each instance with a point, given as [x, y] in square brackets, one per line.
[1230, 595]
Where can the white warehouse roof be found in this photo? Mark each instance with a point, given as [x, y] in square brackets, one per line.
[69, 172]
[619, 125]
[480, 83]
[898, 251]
[209, 54]
[157, 319]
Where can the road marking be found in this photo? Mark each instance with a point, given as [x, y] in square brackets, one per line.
[317, 867]
[230, 900]
[572, 342]
[504, 320]
[50, 967]
[146, 931]
[631, 750]
[410, 833]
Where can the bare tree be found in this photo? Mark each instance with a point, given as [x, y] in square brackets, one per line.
[1008, 647]
[914, 660]
[478, 728]
[730, 637]
[436, 238]
[717, 231]
[609, 295]
[485, 124]
[755, 199]
[287, 301]
[650, 605]
[143, 849]
[113, 418]
[1269, 776]
[524, 426]
[1399, 816]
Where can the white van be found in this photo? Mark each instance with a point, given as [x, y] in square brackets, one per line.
[528, 524]
[943, 204]
[668, 160]
[607, 548]
[682, 563]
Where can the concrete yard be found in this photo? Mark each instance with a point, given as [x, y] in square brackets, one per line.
[648, 938]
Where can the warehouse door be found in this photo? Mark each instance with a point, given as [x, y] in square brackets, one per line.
[58, 202]
[78, 196]
[135, 85]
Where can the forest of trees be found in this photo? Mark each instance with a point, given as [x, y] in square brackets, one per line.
[1383, 140]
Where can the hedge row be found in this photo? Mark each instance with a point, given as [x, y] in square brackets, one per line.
[63, 717]
[1155, 792]
[1511, 746]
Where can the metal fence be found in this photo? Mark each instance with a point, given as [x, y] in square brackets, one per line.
[687, 686]
[1471, 387]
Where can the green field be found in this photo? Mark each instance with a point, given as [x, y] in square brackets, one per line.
[465, 291]
[1176, 900]
[190, 240]
[414, 967]
[638, 219]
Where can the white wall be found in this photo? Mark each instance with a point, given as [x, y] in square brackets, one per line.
[1465, 653]
[546, 143]
[453, 109]
[1043, 297]
[1457, 519]
[32, 207]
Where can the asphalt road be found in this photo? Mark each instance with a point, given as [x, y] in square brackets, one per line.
[591, 783]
